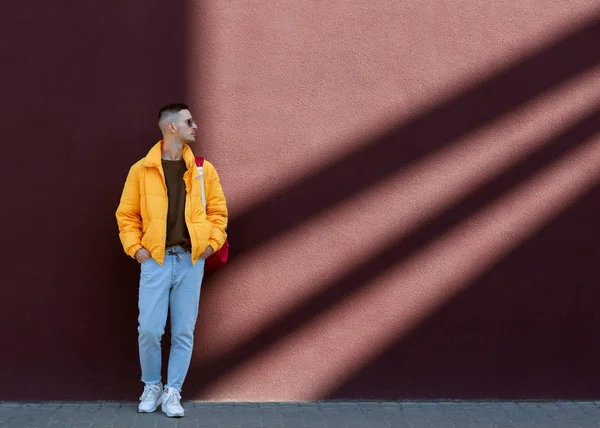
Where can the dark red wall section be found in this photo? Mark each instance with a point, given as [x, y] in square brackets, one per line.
[81, 85]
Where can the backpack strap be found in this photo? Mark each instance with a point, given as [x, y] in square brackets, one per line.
[200, 167]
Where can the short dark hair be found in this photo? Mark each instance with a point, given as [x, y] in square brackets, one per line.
[171, 108]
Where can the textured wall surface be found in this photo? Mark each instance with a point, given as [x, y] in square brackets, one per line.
[80, 91]
[413, 190]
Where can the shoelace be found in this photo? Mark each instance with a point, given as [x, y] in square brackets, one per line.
[148, 389]
[172, 398]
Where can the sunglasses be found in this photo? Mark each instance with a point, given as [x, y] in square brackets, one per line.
[190, 122]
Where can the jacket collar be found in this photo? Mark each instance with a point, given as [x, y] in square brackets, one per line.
[154, 156]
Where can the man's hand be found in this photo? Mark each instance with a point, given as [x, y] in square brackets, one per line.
[142, 255]
[207, 253]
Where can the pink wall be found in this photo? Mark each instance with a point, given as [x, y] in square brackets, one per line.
[413, 191]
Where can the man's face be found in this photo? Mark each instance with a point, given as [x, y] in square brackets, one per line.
[186, 127]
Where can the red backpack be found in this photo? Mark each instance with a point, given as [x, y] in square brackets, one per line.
[218, 259]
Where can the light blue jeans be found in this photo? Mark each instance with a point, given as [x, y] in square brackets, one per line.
[173, 287]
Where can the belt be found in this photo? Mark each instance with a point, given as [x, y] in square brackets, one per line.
[175, 250]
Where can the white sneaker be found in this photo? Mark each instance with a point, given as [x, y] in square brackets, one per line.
[151, 398]
[170, 403]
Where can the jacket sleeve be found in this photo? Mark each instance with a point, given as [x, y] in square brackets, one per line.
[216, 207]
[128, 214]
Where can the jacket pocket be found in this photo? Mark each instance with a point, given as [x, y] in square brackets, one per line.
[202, 231]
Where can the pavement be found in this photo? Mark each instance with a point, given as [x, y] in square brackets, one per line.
[330, 414]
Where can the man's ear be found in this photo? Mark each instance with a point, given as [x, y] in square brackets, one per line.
[172, 127]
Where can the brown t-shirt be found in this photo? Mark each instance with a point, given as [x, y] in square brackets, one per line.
[177, 232]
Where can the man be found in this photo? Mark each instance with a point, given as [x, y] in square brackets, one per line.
[164, 226]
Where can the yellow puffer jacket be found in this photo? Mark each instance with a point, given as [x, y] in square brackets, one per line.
[142, 212]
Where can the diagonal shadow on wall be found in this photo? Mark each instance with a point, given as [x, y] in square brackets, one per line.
[356, 279]
[524, 329]
[432, 130]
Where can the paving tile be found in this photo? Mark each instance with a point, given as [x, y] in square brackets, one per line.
[80, 425]
[123, 425]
